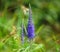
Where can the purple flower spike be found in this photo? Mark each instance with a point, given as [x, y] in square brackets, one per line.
[30, 28]
[22, 36]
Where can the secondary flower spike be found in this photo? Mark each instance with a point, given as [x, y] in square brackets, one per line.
[22, 36]
[30, 28]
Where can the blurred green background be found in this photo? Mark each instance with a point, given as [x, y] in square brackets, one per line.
[46, 18]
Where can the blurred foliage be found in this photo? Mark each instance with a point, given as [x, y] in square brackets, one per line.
[46, 18]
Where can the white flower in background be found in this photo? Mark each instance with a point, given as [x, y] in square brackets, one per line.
[25, 10]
